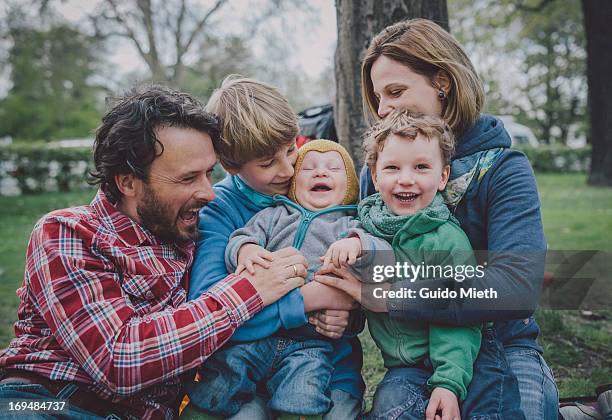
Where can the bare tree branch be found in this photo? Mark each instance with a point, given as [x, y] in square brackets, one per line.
[201, 24]
[178, 64]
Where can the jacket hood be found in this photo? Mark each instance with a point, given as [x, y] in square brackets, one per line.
[487, 133]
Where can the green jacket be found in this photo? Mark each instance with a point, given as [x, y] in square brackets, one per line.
[452, 350]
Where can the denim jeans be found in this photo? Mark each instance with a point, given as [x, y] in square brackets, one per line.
[34, 392]
[492, 394]
[345, 407]
[494, 390]
[296, 376]
[402, 394]
[539, 395]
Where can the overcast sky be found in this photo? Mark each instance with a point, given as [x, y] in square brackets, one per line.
[313, 38]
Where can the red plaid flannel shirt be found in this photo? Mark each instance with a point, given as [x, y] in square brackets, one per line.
[102, 304]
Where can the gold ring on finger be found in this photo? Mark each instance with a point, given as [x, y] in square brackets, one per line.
[294, 270]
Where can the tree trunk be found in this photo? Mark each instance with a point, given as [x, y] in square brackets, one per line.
[358, 22]
[597, 19]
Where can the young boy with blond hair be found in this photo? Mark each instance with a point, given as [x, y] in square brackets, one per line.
[429, 366]
[258, 151]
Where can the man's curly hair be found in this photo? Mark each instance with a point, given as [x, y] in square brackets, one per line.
[126, 142]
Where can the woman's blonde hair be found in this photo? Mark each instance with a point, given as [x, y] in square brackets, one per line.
[256, 120]
[427, 49]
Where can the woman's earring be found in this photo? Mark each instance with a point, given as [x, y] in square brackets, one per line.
[441, 95]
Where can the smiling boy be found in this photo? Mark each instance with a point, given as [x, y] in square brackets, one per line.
[258, 150]
[428, 365]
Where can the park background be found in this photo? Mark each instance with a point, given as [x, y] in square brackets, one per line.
[62, 60]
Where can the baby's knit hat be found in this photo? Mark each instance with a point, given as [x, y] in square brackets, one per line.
[352, 184]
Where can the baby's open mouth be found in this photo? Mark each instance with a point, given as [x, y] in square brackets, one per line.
[321, 188]
[406, 197]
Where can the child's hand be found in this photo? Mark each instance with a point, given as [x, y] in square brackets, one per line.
[251, 254]
[444, 402]
[342, 252]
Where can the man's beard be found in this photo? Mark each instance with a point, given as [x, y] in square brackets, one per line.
[158, 218]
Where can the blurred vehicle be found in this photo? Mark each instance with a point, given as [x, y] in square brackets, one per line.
[521, 134]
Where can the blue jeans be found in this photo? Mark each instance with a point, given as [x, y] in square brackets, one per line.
[402, 394]
[345, 407]
[492, 394]
[296, 375]
[539, 395]
[494, 391]
[34, 392]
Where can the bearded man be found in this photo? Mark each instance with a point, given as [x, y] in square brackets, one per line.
[103, 322]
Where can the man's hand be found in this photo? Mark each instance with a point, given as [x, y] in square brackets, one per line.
[343, 252]
[443, 405]
[330, 323]
[251, 254]
[286, 272]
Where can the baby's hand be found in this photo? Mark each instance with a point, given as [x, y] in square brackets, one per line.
[251, 254]
[342, 252]
[444, 402]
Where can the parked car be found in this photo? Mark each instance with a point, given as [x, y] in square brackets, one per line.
[521, 134]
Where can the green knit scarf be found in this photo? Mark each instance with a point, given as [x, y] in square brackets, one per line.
[377, 219]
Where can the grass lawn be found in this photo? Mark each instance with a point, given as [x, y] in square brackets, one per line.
[575, 217]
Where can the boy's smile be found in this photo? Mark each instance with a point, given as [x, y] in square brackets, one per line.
[321, 181]
[409, 173]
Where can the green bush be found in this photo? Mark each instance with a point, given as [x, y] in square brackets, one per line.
[39, 167]
[558, 158]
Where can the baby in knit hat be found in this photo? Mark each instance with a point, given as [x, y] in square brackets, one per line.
[319, 210]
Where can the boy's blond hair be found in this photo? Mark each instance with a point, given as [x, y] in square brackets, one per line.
[408, 125]
[256, 120]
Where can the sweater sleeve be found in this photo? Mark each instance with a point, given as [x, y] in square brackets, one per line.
[375, 251]
[516, 254]
[254, 232]
[453, 351]
[218, 221]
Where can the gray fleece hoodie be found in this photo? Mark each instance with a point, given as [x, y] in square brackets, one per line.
[289, 224]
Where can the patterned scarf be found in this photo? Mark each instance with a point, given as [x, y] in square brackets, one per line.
[466, 174]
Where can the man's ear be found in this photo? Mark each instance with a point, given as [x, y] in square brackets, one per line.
[374, 178]
[444, 178]
[128, 184]
[442, 81]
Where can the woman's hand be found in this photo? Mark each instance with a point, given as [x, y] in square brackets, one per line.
[318, 296]
[444, 402]
[343, 279]
[329, 322]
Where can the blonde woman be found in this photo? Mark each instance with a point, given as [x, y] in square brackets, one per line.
[417, 65]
